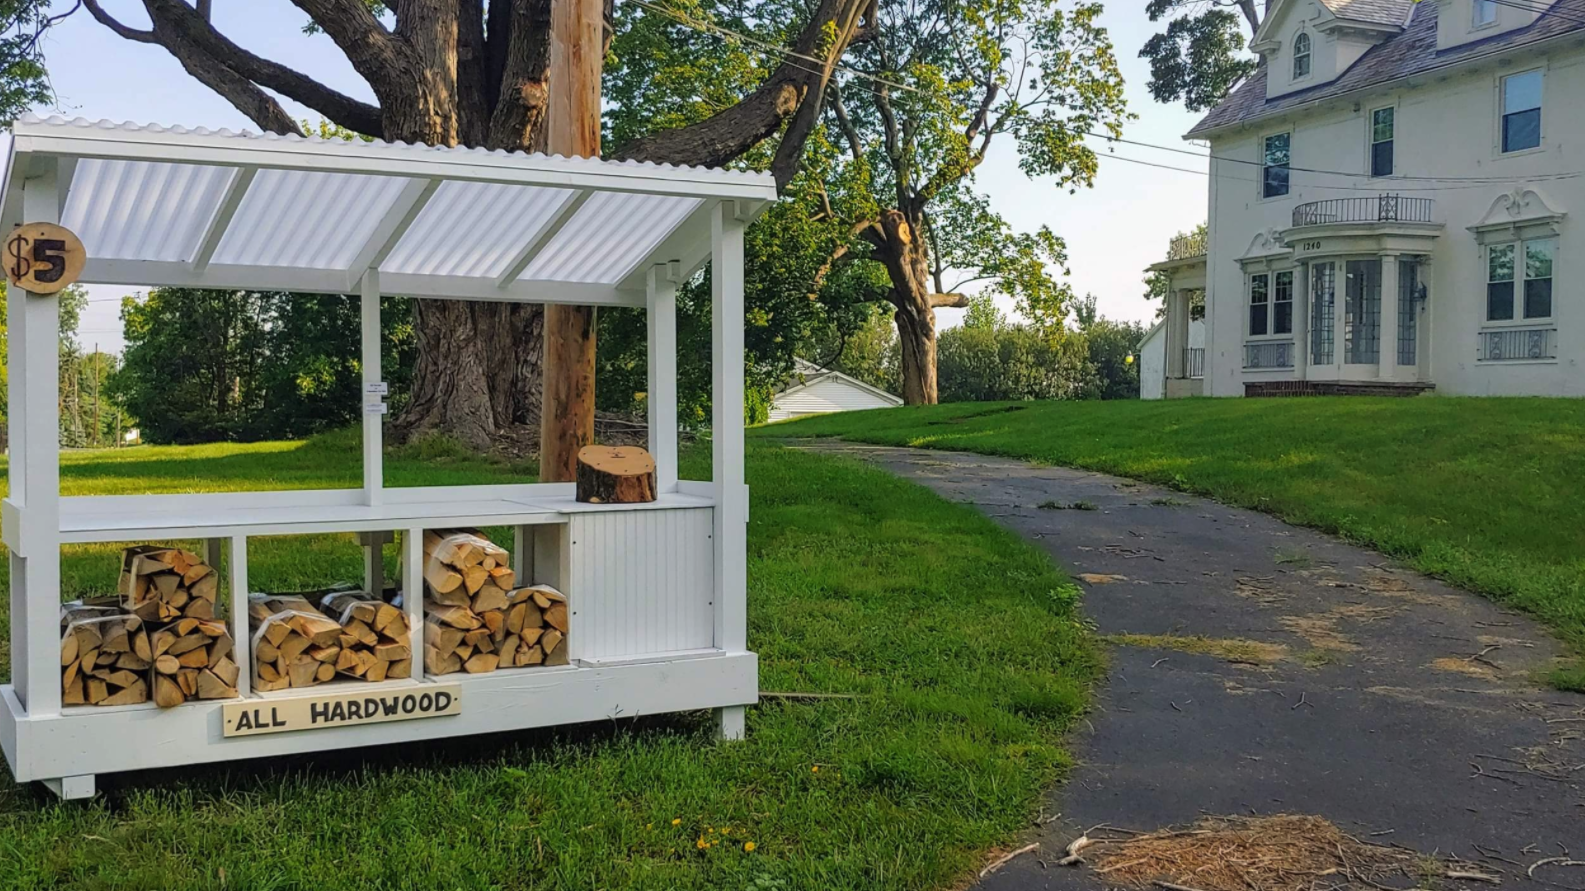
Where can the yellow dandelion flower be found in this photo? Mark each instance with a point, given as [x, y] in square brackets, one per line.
[677, 822]
[815, 769]
[748, 847]
[649, 826]
[701, 844]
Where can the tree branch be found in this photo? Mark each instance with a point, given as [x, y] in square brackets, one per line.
[104, 18]
[956, 301]
[374, 53]
[785, 93]
[174, 19]
[855, 143]
[519, 115]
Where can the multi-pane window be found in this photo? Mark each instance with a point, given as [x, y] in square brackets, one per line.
[1282, 303]
[1259, 304]
[1485, 12]
[1383, 127]
[1274, 169]
[1507, 277]
[1323, 295]
[1521, 111]
[1301, 56]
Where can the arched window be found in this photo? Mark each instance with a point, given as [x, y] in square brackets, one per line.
[1301, 56]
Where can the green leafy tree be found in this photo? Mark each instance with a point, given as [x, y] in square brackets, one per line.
[203, 365]
[942, 83]
[985, 362]
[23, 81]
[1108, 345]
[1200, 57]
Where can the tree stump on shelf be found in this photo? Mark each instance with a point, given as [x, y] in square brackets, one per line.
[615, 475]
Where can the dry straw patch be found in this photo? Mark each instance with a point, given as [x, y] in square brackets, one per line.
[1280, 853]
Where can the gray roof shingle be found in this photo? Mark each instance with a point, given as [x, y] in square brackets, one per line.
[1409, 53]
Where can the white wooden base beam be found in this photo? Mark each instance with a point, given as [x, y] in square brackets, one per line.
[72, 788]
[731, 723]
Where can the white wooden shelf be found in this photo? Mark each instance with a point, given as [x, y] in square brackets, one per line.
[85, 523]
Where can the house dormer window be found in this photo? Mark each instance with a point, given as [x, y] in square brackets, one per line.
[1485, 13]
[1301, 56]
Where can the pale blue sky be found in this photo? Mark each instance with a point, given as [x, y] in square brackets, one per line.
[1113, 230]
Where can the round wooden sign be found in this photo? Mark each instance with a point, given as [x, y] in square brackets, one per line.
[43, 258]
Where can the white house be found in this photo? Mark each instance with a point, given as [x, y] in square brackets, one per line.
[1152, 353]
[814, 390]
[1393, 206]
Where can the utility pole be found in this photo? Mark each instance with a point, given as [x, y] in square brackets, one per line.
[573, 129]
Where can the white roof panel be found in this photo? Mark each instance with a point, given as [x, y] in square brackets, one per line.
[610, 234]
[158, 206]
[137, 210]
[446, 237]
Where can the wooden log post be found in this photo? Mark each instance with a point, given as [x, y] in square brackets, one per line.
[615, 475]
[573, 124]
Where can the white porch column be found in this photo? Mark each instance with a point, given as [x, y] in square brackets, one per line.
[1301, 321]
[1177, 333]
[34, 387]
[726, 398]
[1388, 368]
[373, 429]
[660, 300]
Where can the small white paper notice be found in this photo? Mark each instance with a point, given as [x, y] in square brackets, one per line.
[374, 408]
[377, 388]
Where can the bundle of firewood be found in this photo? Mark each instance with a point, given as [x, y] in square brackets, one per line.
[192, 659]
[531, 630]
[463, 568]
[294, 644]
[105, 655]
[159, 584]
[375, 637]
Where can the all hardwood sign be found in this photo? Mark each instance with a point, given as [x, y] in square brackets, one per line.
[340, 710]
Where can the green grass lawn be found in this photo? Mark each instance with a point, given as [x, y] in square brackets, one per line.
[960, 642]
[1488, 494]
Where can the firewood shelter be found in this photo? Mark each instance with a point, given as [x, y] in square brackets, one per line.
[656, 591]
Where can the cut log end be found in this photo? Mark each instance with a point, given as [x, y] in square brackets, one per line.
[615, 475]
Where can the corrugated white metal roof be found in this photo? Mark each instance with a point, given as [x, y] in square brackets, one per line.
[159, 206]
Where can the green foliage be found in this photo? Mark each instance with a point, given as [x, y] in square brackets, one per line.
[962, 698]
[1200, 56]
[1109, 344]
[1480, 492]
[983, 362]
[206, 365]
[24, 83]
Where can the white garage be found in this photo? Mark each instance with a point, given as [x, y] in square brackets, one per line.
[815, 391]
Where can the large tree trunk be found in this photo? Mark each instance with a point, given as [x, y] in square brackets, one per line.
[900, 245]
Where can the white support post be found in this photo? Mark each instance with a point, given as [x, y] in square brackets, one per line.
[413, 595]
[373, 423]
[241, 636]
[731, 496]
[1387, 325]
[660, 300]
[34, 340]
[1301, 322]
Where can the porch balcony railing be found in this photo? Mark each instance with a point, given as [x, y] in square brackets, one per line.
[1272, 354]
[1517, 345]
[1186, 247]
[1194, 362]
[1378, 209]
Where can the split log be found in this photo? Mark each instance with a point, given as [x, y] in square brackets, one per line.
[294, 644]
[536, 627]
[376, 640]
[105, 652]
[615, 475]
[193, 659]
[160, 584]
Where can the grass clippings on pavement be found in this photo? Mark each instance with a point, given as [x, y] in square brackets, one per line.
[1287, 852]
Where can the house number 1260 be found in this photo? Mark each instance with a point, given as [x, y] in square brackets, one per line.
[1310, 246]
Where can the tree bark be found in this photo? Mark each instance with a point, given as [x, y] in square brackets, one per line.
[900, 245]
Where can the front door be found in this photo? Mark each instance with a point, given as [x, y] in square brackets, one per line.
[1324, 359]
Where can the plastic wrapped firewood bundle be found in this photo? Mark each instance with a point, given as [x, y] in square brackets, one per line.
[463, 568]
[294, 644]
[375, 637]
[105, 655]
[536, 628]
[193, 660]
